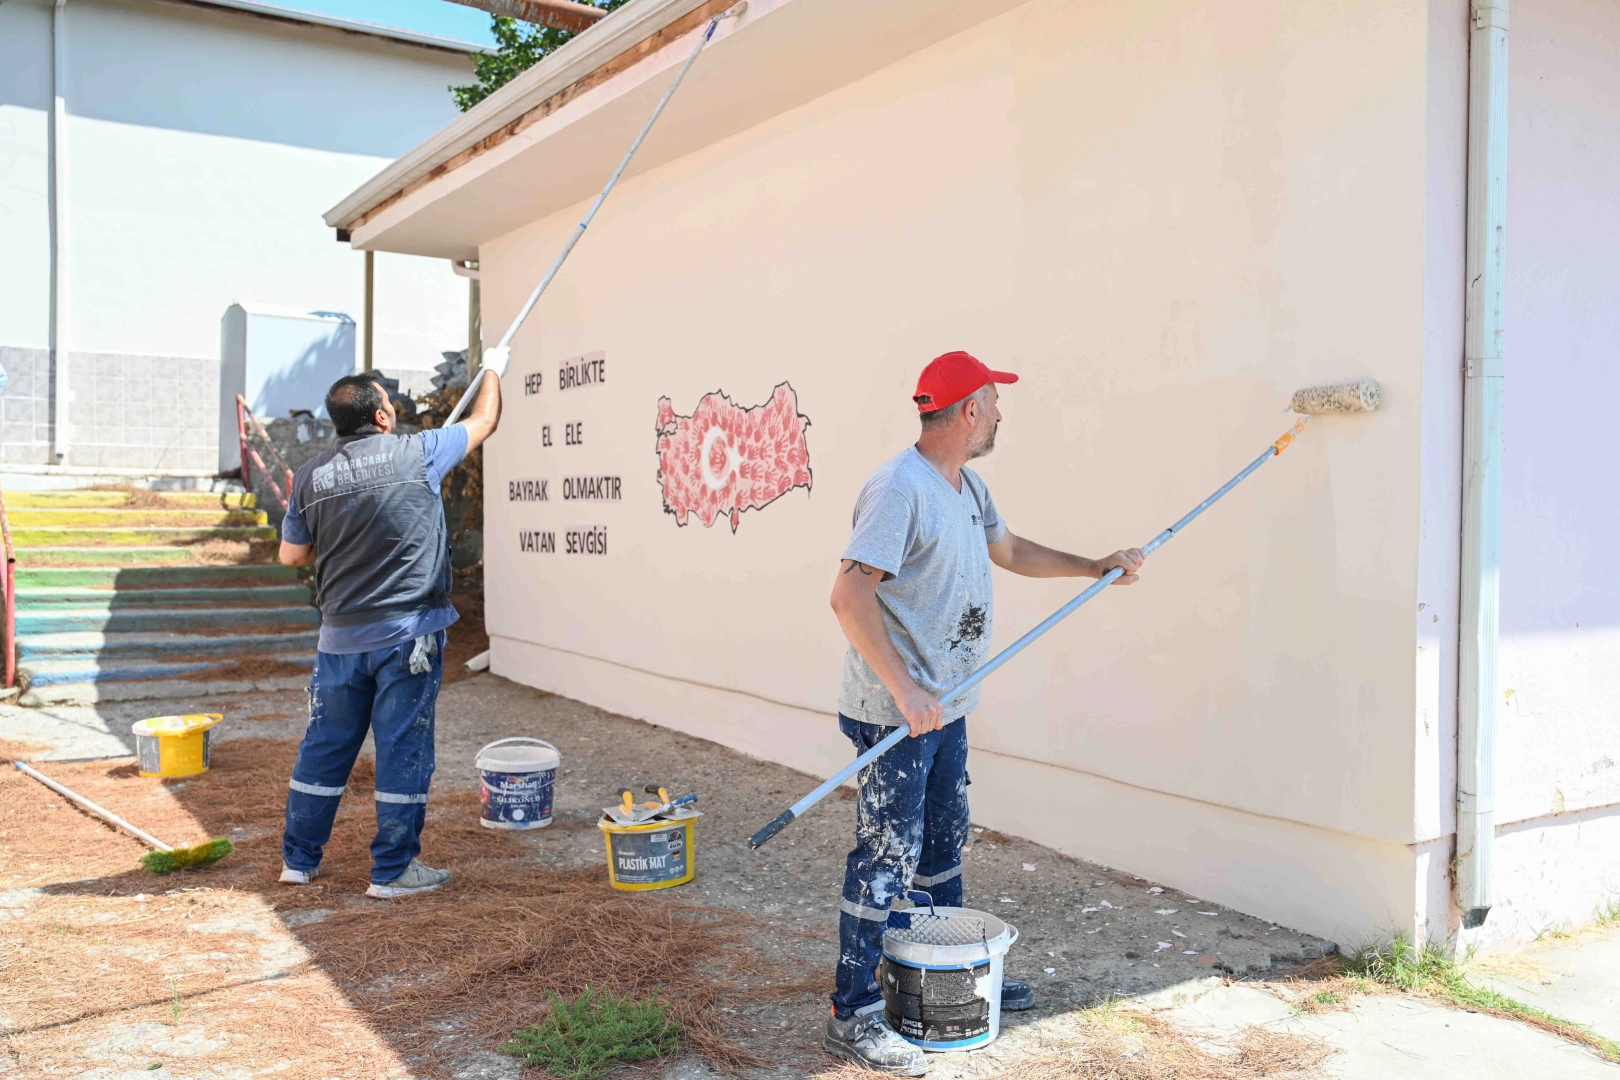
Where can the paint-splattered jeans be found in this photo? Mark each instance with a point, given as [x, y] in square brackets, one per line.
[910, 825]
[349, 694]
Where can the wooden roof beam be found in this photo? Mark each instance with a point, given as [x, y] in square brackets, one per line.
[557, 14]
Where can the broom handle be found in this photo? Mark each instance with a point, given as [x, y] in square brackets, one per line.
[579, 230]
[895, 737]
[104, 814]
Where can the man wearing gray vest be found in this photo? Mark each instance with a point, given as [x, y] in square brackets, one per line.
[367, 514]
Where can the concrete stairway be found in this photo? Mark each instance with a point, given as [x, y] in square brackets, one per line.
[123, 595]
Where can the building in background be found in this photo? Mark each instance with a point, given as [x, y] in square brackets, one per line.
[193, 148]
[1166, 217]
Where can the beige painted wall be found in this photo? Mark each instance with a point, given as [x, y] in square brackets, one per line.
[1166, 218]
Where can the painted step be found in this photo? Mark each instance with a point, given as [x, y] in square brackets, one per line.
[181, 499]
[50, 536]
[204, 690]
[30, 598]
[106, 557]
[103, 578]
[100, 618]
[99, 518]
[66, 672]
[106, 646]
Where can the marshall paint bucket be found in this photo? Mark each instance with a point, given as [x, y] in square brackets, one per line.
[656, 854]
[515, 779]
[171, 746]
[941, 975]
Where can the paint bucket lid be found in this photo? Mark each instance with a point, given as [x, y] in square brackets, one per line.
[170, 726]
[519, 754]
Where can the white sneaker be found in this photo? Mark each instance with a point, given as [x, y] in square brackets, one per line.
[417, 878]
[870, 1042]
[289, 876]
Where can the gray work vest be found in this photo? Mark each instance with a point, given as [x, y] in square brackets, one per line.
[382, 550]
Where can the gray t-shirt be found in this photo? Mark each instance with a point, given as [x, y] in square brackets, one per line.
[933, 543]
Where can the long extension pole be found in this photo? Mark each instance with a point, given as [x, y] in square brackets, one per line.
[495, 359]
[792, 813]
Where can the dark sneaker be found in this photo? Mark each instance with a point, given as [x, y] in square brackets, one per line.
[870, 1042]
[417, 878]
[1017, 995]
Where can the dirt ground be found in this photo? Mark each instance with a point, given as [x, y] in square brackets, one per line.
[221, 973]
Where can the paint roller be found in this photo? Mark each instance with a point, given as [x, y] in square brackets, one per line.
[1340, 398]
[497, 358]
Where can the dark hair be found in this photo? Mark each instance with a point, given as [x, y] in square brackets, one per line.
[352, 403]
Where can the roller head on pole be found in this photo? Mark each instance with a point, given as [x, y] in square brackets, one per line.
[1350, 397]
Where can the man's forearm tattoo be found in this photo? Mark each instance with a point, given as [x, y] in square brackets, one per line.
[851, 564]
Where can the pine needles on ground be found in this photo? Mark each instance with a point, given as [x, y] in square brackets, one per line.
[583, 1038]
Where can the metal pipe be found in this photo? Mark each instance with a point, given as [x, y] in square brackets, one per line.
[1482, 460]
[10, 582]
[61, 430]
[894, 738]
[475, 325]
[371, 296]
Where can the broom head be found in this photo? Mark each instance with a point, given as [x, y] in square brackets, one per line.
[164, 862]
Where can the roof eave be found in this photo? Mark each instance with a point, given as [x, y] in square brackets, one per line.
[293, 16]
[580, 58]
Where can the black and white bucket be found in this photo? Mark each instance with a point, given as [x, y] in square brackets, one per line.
[515, 781]
[941, 975]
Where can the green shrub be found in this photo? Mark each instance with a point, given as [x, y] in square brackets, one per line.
[583, 1038]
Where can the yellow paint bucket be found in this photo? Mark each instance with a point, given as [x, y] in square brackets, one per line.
[170, 746]
[656, 854]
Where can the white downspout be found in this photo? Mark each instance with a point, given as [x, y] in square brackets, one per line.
[60, 311]
[1477, 690]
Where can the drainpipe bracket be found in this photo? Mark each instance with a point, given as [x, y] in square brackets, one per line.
[1489, 367]
[1469, 803]
[1488, 16]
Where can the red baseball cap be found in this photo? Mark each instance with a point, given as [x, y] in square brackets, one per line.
[950, 378]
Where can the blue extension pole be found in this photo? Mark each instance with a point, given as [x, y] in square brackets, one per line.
[497, 356]
[794, 812]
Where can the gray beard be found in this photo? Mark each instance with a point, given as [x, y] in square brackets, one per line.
[989, 445]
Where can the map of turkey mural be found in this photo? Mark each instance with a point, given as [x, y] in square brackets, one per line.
[724, 459]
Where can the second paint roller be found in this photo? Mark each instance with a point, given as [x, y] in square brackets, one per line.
[1360, 396]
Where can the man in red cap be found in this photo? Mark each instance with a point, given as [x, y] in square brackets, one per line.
[913, 596]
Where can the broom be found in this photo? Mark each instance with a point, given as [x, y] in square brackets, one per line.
[165, 859]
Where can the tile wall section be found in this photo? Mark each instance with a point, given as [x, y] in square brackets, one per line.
[132, 412]
[25, 407]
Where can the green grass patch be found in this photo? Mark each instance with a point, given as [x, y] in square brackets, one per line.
[597, 1030]
[1327, 997]
[1417, 969]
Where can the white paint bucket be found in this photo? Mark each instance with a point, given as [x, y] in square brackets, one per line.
[516, 778]
[941, 976]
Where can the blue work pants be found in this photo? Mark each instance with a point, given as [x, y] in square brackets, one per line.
[349, 694]
[911, 821]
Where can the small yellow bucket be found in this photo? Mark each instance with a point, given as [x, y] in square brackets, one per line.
[170, 746]
[655, 854]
